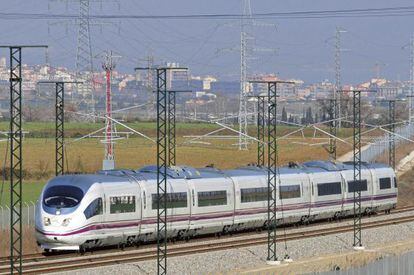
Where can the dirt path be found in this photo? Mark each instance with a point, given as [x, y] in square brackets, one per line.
[405, 165]
[339, 261]
[349, 156]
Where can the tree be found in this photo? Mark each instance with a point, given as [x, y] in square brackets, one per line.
[309, 116]
[284, 114]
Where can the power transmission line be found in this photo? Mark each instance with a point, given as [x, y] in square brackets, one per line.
[369, 12]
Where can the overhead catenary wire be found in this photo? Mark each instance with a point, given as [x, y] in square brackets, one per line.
[317, 14]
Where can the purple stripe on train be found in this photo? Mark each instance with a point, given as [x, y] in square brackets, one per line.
[217, 215]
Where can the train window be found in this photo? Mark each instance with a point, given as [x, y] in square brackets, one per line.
[253, 194]
[94, 208]
[211, 198]
[122, 204]
[144, 197]
[353, 186]
[385, 183]
[289, 191]
[174, 200]
[332, 188]
[62, 196]
[395, 182]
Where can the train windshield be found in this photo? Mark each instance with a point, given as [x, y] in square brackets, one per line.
[63, 196]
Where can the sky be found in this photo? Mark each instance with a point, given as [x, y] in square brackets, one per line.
[291, 48]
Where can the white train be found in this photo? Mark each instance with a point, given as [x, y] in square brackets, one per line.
[119, 207]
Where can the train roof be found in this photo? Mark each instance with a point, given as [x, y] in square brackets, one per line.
[185, 172]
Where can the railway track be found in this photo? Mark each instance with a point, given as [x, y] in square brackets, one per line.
[39, 263]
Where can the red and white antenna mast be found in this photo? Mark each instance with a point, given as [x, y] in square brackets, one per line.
[109, 65]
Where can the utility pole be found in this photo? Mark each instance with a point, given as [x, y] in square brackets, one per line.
[244, 51]
[272, 172]
[261, 118]
[84, 54]
[261, 133]
[356, 103]
[171, 128]
[338, 85]
[109, 65]
[333, 127]
[84, 61]
[391, 136]
[59, 124]
[411, 94]
[391, 133]
[357, 163]
[16, 158]
[165, 147]
[272, 169]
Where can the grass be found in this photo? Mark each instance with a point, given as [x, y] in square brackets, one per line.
[86, 157]
[30, 191]
[77, 129]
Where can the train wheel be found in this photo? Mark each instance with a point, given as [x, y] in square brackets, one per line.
[82, 249]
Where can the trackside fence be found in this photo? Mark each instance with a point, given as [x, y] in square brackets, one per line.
[28, 215]
[380, 145]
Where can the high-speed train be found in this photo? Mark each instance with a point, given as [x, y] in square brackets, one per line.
[119, 207]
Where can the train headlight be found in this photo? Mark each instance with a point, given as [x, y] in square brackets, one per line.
[66, 222]
[46, 221]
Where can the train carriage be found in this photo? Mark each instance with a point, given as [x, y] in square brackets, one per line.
[385, 188]
[119, 207]
[213, 202]
[294, 194]
[365, 186]
[251, 193]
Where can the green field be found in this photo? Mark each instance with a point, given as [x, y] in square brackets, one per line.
[31, 191]
[78, 129]
[86, 155]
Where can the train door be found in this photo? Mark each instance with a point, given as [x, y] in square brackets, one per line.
[95, 212]
[306, 194]
[106, 217]
[370, 187]
[193, 206]
[192, 201]
[140, 200]
[236, 193]
[344, 193]
[311, 198]
[178, 204]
